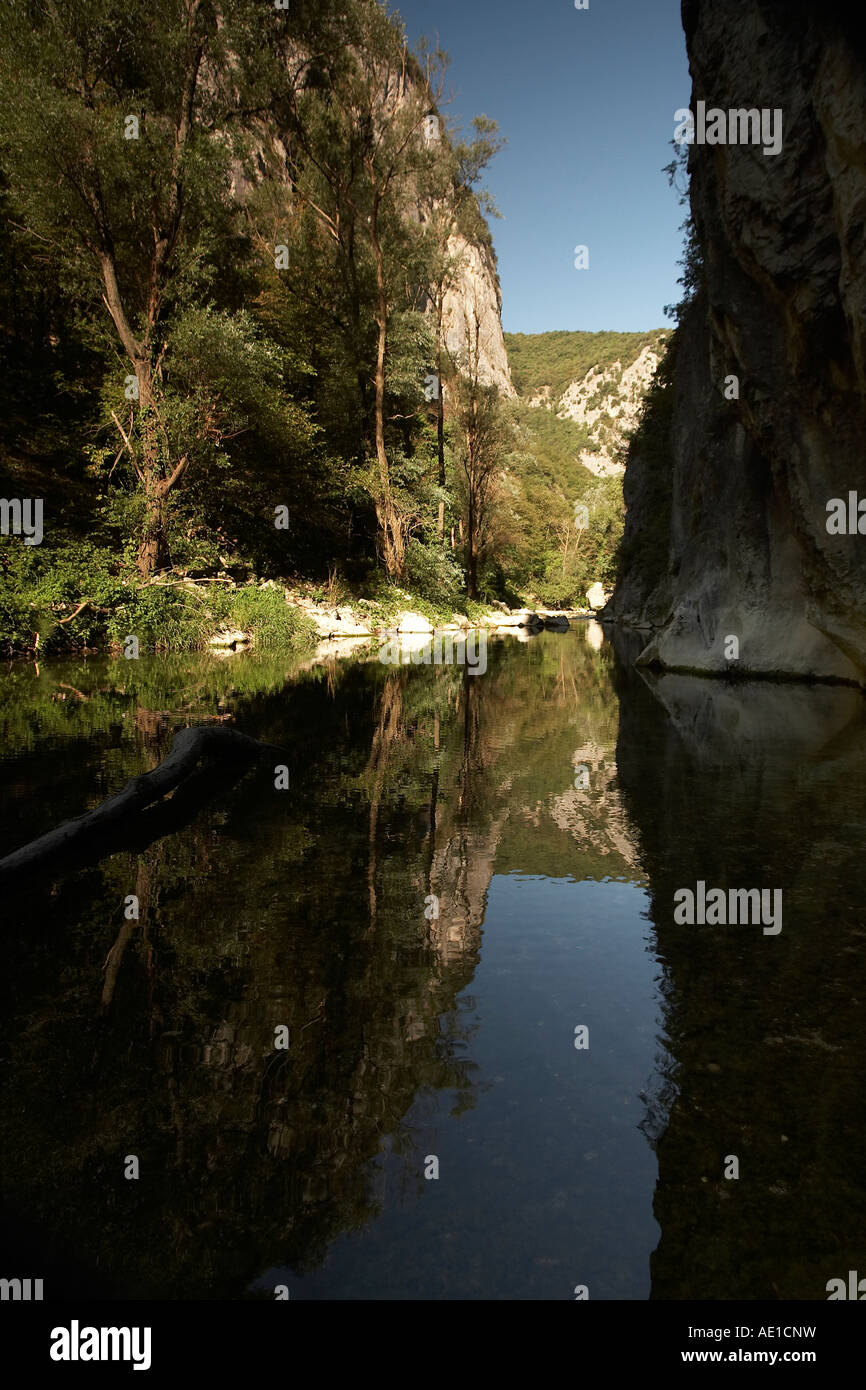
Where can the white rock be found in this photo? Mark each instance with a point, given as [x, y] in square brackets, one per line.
[334, 622]
[411, 622]
[512, 619]
[229, 637]
[610, 423]
[473, 289]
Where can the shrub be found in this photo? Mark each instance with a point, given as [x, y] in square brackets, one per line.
[272, 622]
[40, 586]
[163, 618]
[434, 574]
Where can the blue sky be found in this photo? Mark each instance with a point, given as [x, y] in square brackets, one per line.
[586, 100]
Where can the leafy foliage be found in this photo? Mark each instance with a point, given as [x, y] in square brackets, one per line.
[236, 311]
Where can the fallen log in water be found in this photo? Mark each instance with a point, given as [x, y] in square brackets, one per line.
[102, 824]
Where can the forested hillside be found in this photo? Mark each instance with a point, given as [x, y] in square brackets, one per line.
[251, 334]
[229, 234]
[555, 360]
[597, 380]
[579, 397]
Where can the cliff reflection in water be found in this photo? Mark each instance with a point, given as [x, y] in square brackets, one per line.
[743, 785]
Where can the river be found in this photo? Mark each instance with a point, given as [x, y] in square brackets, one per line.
[422, 1024]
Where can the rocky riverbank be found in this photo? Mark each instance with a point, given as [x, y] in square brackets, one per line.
[360, 621]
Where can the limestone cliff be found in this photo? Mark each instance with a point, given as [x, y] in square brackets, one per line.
[726, 531]
[475, 291]
[610, 415]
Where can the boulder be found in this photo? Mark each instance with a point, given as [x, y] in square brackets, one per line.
[513, 617]
[230, 637]
[533, 623]
[411, 622]
[333, 622]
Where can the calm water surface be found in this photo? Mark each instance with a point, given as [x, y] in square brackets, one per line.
[464, 871]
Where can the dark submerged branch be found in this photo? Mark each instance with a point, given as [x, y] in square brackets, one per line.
[123, 811]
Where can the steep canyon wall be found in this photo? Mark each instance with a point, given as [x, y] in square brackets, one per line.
[726, 532]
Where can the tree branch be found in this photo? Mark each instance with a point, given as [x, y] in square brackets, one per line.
[188, 746]
[84, 604]
[126, 441]
[165, 486]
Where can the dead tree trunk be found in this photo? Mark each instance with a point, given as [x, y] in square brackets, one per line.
[188, 747]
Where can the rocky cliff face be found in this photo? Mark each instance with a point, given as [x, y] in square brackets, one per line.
[608, 401]
[726, 532]
[476, 292]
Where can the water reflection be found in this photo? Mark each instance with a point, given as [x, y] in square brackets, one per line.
[742, 785]
[466, 869]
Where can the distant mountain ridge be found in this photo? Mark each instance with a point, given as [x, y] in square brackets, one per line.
[597, 380]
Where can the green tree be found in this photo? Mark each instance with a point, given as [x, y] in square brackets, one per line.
[454, 211]
[482, 441]
[360, 161]
[120, 120]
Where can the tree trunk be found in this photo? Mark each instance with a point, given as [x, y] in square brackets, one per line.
[153, 551]
[471, 553]
[153, 548]
[440, 414]
[188, 746]
[384, 740]
[392, 532]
